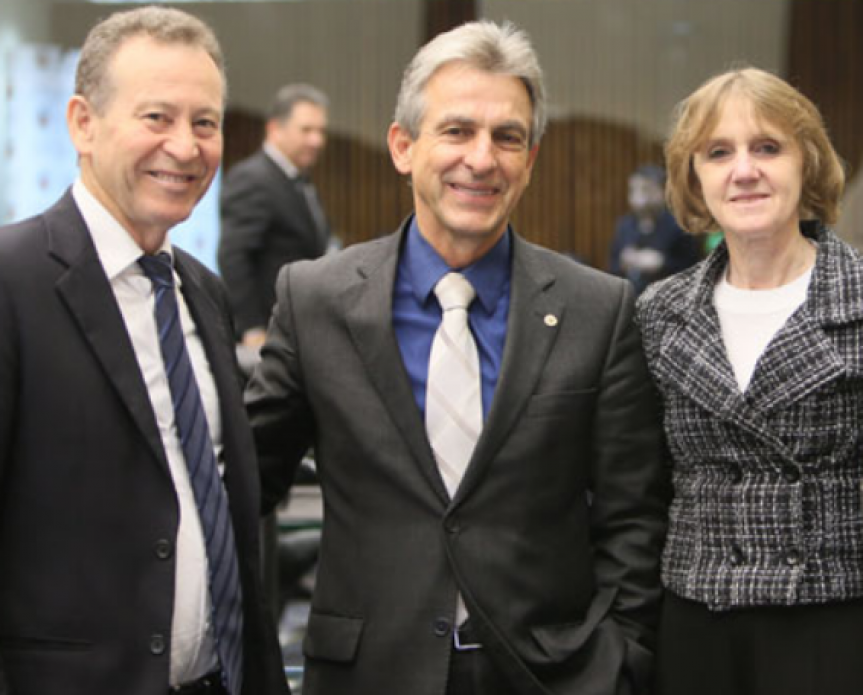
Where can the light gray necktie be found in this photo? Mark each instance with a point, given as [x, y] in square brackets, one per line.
[454, 395]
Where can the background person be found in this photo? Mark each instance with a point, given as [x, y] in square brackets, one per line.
[500, 532]
[118, 575]
[756, 352]
[648, 243]
[270, 211]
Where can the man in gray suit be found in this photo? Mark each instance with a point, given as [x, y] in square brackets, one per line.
[494, 495]
[270, 211]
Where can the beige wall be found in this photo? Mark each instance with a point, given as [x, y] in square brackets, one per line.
[355, 50]
[628, 61]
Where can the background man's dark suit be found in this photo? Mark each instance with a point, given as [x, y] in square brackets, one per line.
[88, 510]
[553, 537]
[266, 222]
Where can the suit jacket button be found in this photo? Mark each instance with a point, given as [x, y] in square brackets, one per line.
[442, 627]
[736, 473]
[736, 557]
[157, 644]
[164, 549]
[792, 557]
[791, 473]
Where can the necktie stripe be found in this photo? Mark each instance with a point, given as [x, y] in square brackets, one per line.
[207, 488]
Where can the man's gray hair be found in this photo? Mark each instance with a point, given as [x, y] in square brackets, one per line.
[292, 94]
[496, 48]
[162, 24]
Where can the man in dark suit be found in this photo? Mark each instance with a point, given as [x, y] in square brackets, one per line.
[494, 499]
[270, 211]
[110, 579]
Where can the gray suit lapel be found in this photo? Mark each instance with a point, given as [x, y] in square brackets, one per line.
[534, 314]
[85, 290]
[368, 304]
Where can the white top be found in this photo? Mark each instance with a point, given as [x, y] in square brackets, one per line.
[192, 647]
[750, 318]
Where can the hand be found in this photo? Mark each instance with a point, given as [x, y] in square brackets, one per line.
[254, 338]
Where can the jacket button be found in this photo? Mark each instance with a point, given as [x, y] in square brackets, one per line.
[792, 557]
[791, 473]
[157, 644]
[164, 549]
[441, 627]
[736, 473]
[452, 527]
[736, 558]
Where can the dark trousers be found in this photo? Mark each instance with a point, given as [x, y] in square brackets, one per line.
[777, 650]
[473, 673]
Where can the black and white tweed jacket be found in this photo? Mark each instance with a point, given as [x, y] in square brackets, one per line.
[768, 483]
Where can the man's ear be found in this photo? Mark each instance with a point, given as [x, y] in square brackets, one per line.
[80, 120]
[401, 148]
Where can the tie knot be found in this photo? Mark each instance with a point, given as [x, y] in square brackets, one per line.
[158, 268]
[454, 291]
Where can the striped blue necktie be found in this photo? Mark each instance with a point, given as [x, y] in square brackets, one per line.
[210, 496]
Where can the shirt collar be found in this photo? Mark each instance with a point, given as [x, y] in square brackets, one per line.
[281, 160]
[488, 275]
[116, 249]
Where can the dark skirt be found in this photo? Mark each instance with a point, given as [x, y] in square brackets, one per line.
[794, 650]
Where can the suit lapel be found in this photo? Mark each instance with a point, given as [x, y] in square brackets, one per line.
[369, 315]
[85, 290]
[534, 313]
[799, 359]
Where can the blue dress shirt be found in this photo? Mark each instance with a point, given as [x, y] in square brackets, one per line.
[417, 313]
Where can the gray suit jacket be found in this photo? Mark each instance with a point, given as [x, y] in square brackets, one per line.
[554, 534]
[88, 509]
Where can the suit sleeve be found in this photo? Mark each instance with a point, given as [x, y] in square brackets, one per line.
[8, 408]
[281, 418]
[631, 493]
[245, 211]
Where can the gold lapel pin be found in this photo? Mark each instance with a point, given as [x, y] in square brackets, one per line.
[550, 320]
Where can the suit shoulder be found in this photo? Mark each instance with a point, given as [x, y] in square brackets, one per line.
[20, 240]
[569, 270]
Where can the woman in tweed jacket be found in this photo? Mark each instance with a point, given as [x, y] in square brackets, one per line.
[758, 355]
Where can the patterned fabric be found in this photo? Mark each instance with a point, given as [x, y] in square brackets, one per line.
[767, 505]
[207, 486]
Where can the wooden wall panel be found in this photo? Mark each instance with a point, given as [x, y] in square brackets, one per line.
[825, 61]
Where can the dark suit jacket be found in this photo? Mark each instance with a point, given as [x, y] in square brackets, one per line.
[266, 222]
[88, 510]
[553, 537]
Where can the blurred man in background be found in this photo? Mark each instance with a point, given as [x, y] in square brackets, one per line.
[648, 243]
[270, 211]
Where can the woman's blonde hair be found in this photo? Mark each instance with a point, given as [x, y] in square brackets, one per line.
[773, 100]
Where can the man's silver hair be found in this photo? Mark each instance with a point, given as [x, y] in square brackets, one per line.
[496, 48]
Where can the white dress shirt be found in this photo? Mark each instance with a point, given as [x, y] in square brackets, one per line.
[192, 646]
